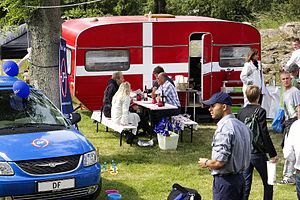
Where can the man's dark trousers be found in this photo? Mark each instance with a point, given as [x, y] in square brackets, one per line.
[228, 187]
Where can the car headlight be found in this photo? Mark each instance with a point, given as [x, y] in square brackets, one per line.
[6, 198]
[90, 158]
[5, 169]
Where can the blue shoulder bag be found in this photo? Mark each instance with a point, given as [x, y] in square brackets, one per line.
[277, 124]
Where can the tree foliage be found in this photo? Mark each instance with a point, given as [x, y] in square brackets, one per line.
[128, 7]
[15, 12]
[105, 7]
[46, 30]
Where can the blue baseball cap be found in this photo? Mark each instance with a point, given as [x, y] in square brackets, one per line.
[220, 97]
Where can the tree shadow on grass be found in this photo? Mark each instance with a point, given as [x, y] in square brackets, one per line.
[134, 154]
[126, 191]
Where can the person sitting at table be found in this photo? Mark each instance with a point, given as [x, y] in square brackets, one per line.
[120, 107]
[157, 70]
[111, 89]
[168, 90]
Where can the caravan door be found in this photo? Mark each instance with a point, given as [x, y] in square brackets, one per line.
[206, 63]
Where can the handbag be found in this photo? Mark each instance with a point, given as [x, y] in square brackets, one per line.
[182, 193]
[277, 125]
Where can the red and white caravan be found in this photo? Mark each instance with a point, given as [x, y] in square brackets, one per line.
[209, 51]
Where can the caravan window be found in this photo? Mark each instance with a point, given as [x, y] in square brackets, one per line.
[107, 60]
[69, 60]
[233, 56]
[196, 48]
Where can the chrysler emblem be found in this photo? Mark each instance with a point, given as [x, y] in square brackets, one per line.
[52, 164]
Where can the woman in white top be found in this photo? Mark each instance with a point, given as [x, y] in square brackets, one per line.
[120, 107]
[252, 75]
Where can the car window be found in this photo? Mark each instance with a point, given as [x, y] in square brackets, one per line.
[34, 110]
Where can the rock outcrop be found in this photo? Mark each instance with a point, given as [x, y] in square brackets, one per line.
[277, 49]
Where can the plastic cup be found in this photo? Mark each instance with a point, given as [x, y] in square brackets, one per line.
[154, 101]
[111, 191]
[114, 196]
[160, 104]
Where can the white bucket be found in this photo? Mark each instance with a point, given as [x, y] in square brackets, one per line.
[168, 143]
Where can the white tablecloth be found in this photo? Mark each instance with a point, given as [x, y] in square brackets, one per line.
[151, 106]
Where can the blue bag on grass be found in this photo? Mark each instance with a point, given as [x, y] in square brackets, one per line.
[277, 125]
[183, 193]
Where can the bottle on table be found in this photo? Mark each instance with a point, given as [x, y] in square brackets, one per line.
[138, 97]
[163, 97]
[145, 94]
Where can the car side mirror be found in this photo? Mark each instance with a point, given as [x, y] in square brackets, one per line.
[74, 118]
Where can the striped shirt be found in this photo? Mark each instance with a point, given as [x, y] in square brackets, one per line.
[170, 93]
[232, 145]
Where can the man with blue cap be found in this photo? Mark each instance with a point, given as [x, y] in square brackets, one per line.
[231, 150]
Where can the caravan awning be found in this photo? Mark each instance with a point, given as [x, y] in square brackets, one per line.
[13, 45]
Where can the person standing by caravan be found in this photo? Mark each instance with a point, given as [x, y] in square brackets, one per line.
[295, 58]
[231, 148]
[294, 72]
[258, 155]
[291, 99]
[291, 151]
[112, 87]
[251, 74]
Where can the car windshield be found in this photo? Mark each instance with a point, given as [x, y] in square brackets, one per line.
[35, 111]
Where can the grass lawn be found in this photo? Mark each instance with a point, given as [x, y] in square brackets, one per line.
[149, 173]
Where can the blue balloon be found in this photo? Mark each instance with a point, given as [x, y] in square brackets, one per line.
[11, 68]
[21, 89]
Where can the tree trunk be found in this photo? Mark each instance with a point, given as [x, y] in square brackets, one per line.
[45, 28]
[123, 10]
[160, 6]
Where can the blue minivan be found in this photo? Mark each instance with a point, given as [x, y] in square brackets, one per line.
[42, 156]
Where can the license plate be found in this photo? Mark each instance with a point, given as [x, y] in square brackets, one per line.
[56, 185]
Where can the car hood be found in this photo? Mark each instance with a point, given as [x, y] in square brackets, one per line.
[38, 145]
